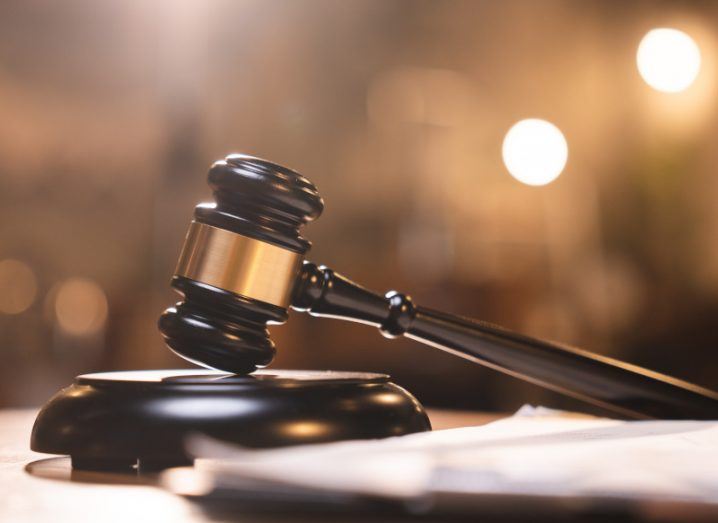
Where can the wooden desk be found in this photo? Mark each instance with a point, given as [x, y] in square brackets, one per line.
[40, 488]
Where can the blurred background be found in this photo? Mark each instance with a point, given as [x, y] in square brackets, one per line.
[545, 165]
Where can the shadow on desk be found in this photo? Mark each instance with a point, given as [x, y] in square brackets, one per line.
[60, 469]
[484, 509]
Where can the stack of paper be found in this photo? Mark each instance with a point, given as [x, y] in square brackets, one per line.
[535, 452]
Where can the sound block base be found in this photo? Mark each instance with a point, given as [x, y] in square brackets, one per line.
[140, 420]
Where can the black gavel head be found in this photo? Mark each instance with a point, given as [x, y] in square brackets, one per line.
[239, 264]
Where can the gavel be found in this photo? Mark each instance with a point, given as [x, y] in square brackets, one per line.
[243, 266]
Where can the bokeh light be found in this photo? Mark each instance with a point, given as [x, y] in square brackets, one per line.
[18, 287]
[535, 151]
[668, 60]
[80, 307]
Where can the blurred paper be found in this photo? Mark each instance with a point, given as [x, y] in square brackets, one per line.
[535, 452]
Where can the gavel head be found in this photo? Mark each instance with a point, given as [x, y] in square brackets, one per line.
[239, 263]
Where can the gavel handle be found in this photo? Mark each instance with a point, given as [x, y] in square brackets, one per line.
[625, 389]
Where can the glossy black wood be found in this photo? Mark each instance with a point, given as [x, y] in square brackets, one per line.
[626, 389]
[218, 329]
[112, 420]
[269, 202]
[261, 200]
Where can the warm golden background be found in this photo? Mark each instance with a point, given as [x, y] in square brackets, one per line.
[111, 112]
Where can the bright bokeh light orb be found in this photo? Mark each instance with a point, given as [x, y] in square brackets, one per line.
[80, 307]
[535, 151]
[668, 60]
[18, 287]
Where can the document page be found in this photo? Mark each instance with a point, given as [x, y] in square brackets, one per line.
[537, 451]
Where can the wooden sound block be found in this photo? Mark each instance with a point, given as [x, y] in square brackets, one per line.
[140, 419]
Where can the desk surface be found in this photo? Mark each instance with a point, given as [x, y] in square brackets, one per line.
[40, 488]
[48, 493]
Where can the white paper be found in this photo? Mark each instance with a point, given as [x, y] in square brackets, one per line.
[537, 451]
